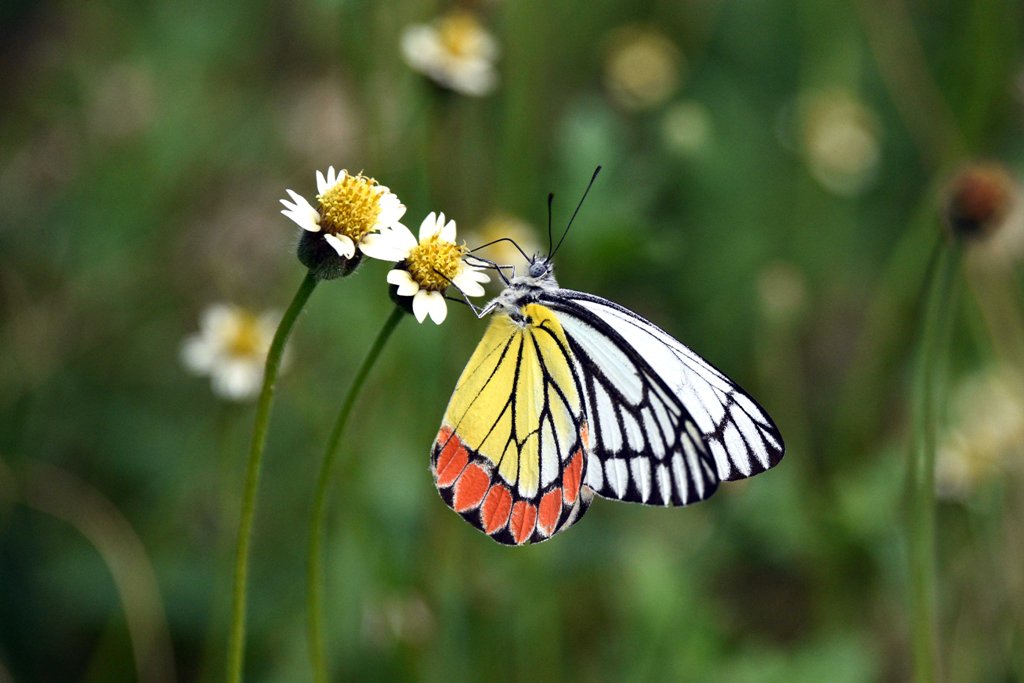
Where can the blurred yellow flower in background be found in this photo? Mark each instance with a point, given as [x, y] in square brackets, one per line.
[642, 68]
[506, 227]
[840, 140]
[231, 348]
[986, 433]
[686, 127]
[455, 51]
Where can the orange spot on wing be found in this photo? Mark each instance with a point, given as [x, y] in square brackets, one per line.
[522, 521]
[585, 436]
[496, 508]
[549, 512]
[471, 488]
[452, 459]
[571, 477]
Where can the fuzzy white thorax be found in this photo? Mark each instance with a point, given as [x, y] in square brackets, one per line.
[522, 289]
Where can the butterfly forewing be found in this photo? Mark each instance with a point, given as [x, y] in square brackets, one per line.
[668, 426]
[511, 453]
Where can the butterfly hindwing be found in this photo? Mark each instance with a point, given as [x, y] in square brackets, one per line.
[511, 453]
[667, 426]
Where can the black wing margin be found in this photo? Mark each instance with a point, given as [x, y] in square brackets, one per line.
[667, 426]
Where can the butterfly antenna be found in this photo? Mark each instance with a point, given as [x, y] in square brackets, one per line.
[551, 199]
[501, 239]
[578, 207]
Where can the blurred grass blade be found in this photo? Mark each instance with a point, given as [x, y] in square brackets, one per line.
[314, 560]
[928, 390]
[60, 494]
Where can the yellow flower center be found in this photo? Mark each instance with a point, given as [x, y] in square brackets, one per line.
[350, 207]
[435, 263]
[458, 33]
[247, 339]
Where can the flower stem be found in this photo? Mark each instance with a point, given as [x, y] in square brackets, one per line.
[314, 561]
[927, 391]
[236, 644]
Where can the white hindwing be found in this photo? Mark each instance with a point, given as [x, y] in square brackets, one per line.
[667, 427]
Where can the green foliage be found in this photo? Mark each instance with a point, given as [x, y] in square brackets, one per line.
[145, 147]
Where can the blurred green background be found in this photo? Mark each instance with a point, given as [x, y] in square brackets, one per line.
[773, 181]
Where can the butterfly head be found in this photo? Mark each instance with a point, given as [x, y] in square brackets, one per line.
[540, 267]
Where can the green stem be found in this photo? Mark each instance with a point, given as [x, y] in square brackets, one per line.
[236, 644]
[314, 561]
[928, 389]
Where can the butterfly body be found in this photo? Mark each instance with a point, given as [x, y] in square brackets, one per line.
[569, 395]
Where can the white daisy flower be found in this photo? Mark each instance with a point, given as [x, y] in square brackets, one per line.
[231, 347]
[426, 266]
[455, 51]
[350, 207]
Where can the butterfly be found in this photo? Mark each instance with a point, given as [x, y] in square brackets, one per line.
[568, 396]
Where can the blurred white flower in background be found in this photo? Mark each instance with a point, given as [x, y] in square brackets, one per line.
[643, 67]
[397, 619]
[985, 437]
[231, 348]
[686, 127]
[840, 140]
[455, 51]
[782, 291]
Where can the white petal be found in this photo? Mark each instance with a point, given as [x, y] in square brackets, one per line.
[437, 307]
[392, 244]
[467, 285]
[321, 183]
[198, 355]
[391, 211]
[403, 236]
[303, 221]
[238, 380]
[301, 212]
[342, 244]
[447, 233]
[297, 199]
[420, 47]
[476, 78]
[217, 320]
[421, 305]
[406, 285]
[475, 274]
[430, 225]
[332, 177]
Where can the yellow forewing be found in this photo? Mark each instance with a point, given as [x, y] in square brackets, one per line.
[515, 372]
